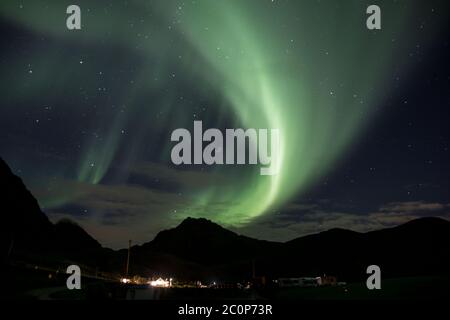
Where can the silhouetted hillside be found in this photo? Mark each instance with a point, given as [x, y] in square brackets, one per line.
[73, 236]
[201, 240]
[201, 249]
[26, 230]
[419, 247]
[415, 248]
[24, 226]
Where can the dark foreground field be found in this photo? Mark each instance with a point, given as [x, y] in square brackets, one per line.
[421, 288]
[37, 285]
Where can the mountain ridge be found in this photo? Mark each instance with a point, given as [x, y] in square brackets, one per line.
[198, 248]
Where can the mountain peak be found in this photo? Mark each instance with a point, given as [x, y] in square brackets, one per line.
[202, 223]
[427, 221]
[190, 220]
[195, 228]
[200, 239]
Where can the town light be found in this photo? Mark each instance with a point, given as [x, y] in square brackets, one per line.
[125, 280]
[161, 283]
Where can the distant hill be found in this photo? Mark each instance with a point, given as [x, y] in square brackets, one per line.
[417, 247]
[201, 249]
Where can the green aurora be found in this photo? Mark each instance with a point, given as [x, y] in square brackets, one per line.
[309, 68]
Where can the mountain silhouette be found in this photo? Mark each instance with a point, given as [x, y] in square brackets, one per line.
[418, 247]
[199, 249]
[204, 241]
[27, 231]
[24, 225]
[73, 236]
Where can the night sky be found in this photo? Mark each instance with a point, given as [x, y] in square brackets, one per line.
[86, 115]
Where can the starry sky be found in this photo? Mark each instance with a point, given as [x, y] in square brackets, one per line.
[86, 115]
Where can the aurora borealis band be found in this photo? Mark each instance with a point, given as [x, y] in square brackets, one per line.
[90, 112]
